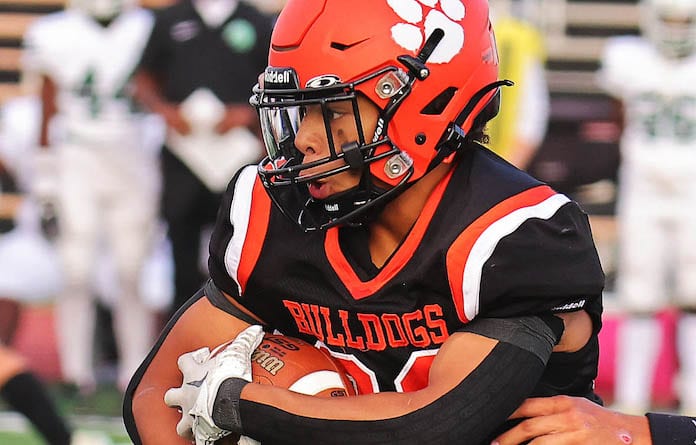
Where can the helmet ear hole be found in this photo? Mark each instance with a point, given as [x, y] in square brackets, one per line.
[439, 103]
[489, 111]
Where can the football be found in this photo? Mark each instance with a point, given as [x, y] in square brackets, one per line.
[294, 364]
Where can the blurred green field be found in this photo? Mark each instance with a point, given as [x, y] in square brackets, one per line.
[96, 419]
[96, 416]
[31, 438]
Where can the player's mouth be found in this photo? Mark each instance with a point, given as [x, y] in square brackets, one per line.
[319, 189]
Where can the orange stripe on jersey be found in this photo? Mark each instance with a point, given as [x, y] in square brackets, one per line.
[460, 256]
[256, 233]
[404, 253]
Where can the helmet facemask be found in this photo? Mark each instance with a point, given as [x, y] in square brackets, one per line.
[102, 10]
[282, 106]
[671, 25]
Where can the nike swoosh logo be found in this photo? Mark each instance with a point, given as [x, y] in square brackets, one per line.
[198, 383]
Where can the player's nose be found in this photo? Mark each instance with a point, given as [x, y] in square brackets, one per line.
[311, 139]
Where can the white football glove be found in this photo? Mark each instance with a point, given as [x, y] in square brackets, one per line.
[45, 174]
[44, 189]
[195, 366]
[234, 361]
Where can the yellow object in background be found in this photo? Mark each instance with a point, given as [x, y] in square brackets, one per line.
[519, 44]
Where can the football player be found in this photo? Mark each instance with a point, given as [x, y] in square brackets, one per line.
[29, 272]
[25, 393]
[107, 177]
[651, 76]
[450, 284]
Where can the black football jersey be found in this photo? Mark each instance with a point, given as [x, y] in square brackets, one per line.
[491, 242]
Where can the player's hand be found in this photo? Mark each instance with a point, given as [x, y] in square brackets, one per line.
[44, 189]
[234, 361]
[195, 367]
[564, 420]
[172, 116]
[237, 116]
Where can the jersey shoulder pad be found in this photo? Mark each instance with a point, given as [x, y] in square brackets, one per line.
[547, 263]
[48, 38]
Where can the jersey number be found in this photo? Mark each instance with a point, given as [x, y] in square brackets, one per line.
[661, 116]
[412, 377]
[88, 91]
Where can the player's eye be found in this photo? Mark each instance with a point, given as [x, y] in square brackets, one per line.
[334, 114]
[338, 110]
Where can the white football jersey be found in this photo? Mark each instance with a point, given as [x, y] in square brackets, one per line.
[91, 66]
[659, 96]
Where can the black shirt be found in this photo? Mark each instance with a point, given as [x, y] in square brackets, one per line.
[187, 54]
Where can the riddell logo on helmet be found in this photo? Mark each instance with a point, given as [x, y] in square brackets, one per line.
[277, 76]
[421, 18]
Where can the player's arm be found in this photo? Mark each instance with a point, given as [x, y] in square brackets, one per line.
[477, 379]
[9, 205]
[37, 61]
[148, 91]
[49, 107]
[198, 324]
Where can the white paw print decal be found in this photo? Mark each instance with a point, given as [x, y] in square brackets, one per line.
[419, 24]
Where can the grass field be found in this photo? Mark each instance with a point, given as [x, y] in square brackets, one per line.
[92, 430]
[95, 419]
[89, 436]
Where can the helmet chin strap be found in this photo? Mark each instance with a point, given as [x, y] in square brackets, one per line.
[350, 202]
[359, 205]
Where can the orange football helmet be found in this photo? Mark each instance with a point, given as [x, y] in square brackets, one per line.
[430, 66]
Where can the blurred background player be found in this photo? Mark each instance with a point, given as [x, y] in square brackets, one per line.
[107, 182]
[519, 129]
[197, 69]
[652, 76]
[29, 272]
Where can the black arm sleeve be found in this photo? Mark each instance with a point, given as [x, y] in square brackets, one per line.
[668, 429]
[469, 413]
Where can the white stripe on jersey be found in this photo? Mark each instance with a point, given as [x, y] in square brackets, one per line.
[485, 245]
[240, 213]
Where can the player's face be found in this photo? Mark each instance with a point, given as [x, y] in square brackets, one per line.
[312, 141]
